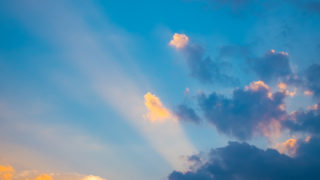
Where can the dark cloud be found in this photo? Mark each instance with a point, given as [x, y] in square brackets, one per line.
[272, 66]
[242, 161]
[307, 79]
[245, 112]
[186, 113]
[207, 70]
[312, 80]
[305, 122]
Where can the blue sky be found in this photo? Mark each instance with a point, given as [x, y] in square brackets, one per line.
[75, 76]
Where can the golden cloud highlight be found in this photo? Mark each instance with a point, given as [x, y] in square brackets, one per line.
[6, 172]
[289, 147]
[157, 112]
[256, 85]
[284, 88]
[91, 177]
[44, 177]
[179, 40]
[9, 173]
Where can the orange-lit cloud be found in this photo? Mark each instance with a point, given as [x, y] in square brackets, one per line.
[308, 93]
[6, 172]
[256, 85]
[91, 177]
[291, 93]
[179, 40]
[157, 112]
[289, 147]
[44, 177]
[284, 88]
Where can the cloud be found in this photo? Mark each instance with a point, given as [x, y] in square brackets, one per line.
[272, 66]
[6, 172]
[249, 111]
[185, 113]
[305, 121]
[242, 161]
[288, 147]
[312, 80]
[202, 67]
[308, 93]
[157, 112]
[91, 177]
[284, 88]
[44, 177]
[207, 70]
[307, 80]
[179, 40]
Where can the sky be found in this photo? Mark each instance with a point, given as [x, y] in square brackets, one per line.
[159, 90]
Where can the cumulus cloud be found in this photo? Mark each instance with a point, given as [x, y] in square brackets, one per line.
[305, 121]
[202, 67]
[307, 80]
[272, 66]
[157, 112]
[254, 109]
[179, 40]
[242, 161]
[185, 113]
[312, 80]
